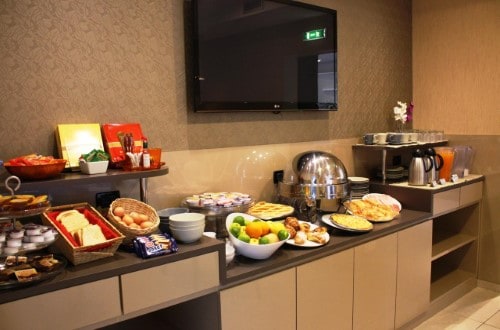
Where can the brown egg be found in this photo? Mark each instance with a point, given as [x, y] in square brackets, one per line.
[136, 217]
[146, 224]
[117, 218]
[143, 217]
[128, 219]
[134, 226]
[119, 211]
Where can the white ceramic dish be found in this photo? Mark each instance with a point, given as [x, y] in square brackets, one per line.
[187, 227]
[94, 167]
[186, 219]
[187, 236]
[253, 251]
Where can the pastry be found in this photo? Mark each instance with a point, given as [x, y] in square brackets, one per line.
[265, 210]
[351, 221]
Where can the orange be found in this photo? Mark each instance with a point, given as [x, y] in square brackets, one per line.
[254, 229]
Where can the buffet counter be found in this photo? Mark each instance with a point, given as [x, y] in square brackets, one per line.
[132, 287]
[244, 269]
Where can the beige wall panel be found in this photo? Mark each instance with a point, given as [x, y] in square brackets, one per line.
[456, 76]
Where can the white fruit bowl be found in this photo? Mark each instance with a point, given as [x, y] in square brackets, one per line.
[254, 251]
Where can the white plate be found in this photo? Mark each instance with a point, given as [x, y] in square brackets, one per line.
[384, 199]
[358, 179]
[326, 219]
[307, 243]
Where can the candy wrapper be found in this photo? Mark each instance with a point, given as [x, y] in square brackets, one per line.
[154, 245]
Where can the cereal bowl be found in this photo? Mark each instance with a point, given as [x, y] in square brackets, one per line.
[186, 219]
[187, 235]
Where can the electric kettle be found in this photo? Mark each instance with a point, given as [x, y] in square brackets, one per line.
[420, 166]
[437, 162]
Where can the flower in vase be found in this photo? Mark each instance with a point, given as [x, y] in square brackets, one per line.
[400, 112]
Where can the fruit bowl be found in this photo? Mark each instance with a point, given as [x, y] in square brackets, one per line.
[37, 172]
[254, 251]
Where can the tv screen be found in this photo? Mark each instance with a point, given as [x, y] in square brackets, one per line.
[263, 55]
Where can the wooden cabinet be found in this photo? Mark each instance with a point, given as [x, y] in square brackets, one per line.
[169, 284]
[325, 292]
[413, 272]
[71, 308]
[455, 252]
[455, 243]
[265, 303]
[375, 265]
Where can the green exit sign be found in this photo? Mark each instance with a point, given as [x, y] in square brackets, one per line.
[315, 34]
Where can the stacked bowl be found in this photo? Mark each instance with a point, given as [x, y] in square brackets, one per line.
[187, 227]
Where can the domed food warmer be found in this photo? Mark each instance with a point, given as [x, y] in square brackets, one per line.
[321, 181]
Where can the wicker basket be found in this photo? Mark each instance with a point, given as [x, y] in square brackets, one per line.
[83, 254]
[133, 205]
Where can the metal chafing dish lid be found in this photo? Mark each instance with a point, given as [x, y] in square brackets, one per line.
[319, 168]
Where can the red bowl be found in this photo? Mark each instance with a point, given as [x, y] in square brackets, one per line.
[37, 172]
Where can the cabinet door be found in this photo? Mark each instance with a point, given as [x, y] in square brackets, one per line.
[266, 303]
[324, 292]
[414, 272]
[375, 284]
[71, 308]
[165, 285]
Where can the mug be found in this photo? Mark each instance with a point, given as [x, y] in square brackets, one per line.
[380, 138]
[395, 138]
[368, 138]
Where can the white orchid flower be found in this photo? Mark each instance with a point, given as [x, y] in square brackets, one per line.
[400, 112]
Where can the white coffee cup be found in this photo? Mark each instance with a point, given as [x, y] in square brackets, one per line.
[380, 138]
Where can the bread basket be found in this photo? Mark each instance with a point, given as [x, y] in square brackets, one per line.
[133, 205]
[83, 254]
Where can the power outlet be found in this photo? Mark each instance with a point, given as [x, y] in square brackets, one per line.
[278, 176]
[104, 199]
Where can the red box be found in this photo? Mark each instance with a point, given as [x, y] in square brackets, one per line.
[114, 134]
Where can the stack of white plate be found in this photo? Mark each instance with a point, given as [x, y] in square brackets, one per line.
[395, 173]
[360, 186]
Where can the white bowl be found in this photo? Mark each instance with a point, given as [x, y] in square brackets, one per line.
[94, 167]
[165, 214]
[186, 219]
[187, 235]
[195, 226]
[254, 251]
[230, 252]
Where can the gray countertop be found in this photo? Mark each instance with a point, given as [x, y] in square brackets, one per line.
[239, 270]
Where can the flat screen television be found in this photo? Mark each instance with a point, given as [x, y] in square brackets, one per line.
[262, 55]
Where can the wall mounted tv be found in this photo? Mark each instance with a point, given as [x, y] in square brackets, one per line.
[262, 55]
